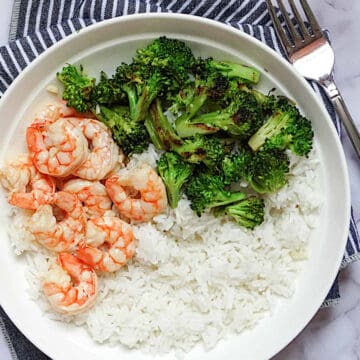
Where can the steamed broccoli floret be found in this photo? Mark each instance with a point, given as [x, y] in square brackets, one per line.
[241, 118]
[206, 191]
[248, 212]
[284, 129]
[77, 87]
[132, 137]
[175, 172]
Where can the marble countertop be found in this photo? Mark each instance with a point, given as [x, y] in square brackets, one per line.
[334, 333]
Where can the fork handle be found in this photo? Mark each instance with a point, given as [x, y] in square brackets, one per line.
[343, 112]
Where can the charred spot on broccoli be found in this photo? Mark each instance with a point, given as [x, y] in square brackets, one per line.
[160, 68]
[198, 149]
[265, 171]
[131, 136]
[240, 118]
[107, 92]
[286, 128]
[192, 99]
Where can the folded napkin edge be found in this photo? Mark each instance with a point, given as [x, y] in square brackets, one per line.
[15, 15]
[7, 339]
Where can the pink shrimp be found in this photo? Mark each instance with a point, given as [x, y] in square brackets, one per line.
[64, 234]
[28, 187]
[138, 193]
[92, 194]
[103, 154]
[110, 243]
[71, 286]
[56, 148]
[54, 111]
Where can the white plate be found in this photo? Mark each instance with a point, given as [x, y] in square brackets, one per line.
[103, 46]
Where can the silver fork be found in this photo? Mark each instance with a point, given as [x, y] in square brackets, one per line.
[312, 56]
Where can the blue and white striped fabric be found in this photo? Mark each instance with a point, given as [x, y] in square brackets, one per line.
[38, 24]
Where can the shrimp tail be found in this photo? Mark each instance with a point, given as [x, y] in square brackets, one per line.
[33, 137]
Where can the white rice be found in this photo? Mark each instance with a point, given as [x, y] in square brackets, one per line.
[212, 276]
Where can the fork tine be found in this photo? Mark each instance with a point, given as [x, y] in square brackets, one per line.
[278, 27]
[303, 29]
[315, 27]
[293, 32]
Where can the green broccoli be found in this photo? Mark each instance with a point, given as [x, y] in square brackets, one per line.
[206, 190]
[229, 69]
[142, 86]
[160, 68]
[208, 150]
[131, 136]
[193, 98]
[175, 172]
[265, 171]
[169, 54]
[240, 119]
[286, 128]
[77, 87]
[268, 170]
[248, 212]
[234, 167]
[106, 92]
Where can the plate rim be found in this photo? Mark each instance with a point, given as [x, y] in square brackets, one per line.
[238, 32]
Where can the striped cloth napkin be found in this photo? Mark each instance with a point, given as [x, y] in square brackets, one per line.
[36, 25]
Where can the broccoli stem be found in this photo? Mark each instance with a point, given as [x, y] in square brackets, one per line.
[133, 98]
[162, 127]
[144, 101]
[154, 136]
[272, 126]
[234, 70]
[183, 120]
[227, 197]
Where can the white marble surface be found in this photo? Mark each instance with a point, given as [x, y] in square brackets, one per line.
[334, 333]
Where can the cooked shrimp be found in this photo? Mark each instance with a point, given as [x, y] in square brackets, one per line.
[57, 148]
[28, 187]
[92, 194]
[70, 286]
[138, 193]
[63, 234]
[110, 243]
[103, 154]
[54, 111]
